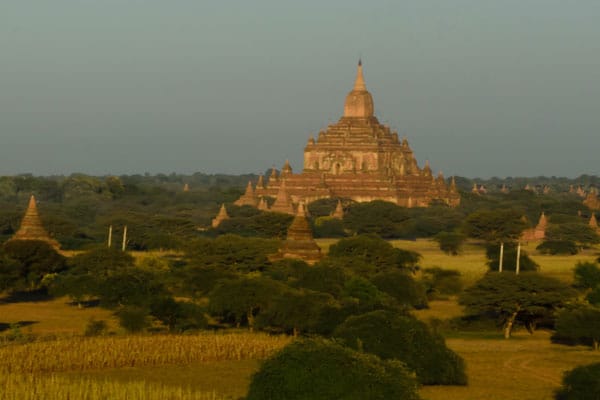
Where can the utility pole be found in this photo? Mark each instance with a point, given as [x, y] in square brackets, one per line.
[124, 238]
[501, 257]
[109, 236]
[518, 258]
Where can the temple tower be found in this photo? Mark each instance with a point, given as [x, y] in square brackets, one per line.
[221, 216]
[32, 228]
[299, 242]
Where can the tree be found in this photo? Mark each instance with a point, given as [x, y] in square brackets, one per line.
[581, 324]
[526, 298]
[392, 336]
[442, 281]
[577, 232]
[379, 218]
[581, 383]
[323, 370]
[495, 226]
[240, 301]
[450, 242]
[554, 247]
[33, 260]
[298, 311]
[587, 275]
[376, 251]
[402, 287]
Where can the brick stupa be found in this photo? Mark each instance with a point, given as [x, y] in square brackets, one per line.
[360, 159]
[299, 243]
[32, 228]
[221, 216]
[537, 233]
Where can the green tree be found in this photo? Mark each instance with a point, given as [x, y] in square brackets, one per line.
[495, 226]
[577, 232]
[33, 259]
[375, 251]
[587, 275]
[402, 287]
[525, 298]
[240, 301]
[450, 242]
[581, 324]
[322, 370]
[442, 281]
[392, 336]
[581, 383]
[510, 259]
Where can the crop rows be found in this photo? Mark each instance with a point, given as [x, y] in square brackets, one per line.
[81, 354]
[53, 387]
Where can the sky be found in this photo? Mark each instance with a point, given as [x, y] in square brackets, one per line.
[480, 88]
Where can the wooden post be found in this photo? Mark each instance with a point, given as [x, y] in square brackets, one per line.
[501, 257]
[124, 238]
[518, 258]
[109, 236]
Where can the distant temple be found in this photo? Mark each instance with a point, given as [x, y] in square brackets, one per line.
[299, 243]
[221, 216]
[32, 228]
[537, 233]
[592, 201]
[356, 158]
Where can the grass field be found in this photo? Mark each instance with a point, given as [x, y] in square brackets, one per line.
[524, 367]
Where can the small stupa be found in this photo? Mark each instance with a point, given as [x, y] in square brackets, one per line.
[248, 198]
[221, 216]
[32, 228]
[537, 233]
[283, 202]
[186, 188]
[592, 201]
[263, 205]
[300, 243]
[594, 223]
[339, 211]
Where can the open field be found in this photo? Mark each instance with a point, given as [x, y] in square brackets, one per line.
[182, 367]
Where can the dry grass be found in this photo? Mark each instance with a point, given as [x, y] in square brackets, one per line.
[54, 387]
[527, 367]
[82, 354]
[53, 317]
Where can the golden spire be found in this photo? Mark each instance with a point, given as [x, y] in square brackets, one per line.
[359, 83]
[32, 228]
[359, 103]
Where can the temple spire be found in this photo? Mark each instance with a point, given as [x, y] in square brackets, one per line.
[32, 228]
[359, 83]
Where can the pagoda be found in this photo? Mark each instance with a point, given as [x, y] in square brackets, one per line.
[538, 232]
[360, 159]
[299, 243]
[32, 228]
[221, 216]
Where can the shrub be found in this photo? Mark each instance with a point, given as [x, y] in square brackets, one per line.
[581, 383]
[401, 287]
[133, 319]
[554, 247]
[580, 325]
[95, 328]
[587, 275]
[442, 281]
[450, 242]
[392, 336]
[323, 370]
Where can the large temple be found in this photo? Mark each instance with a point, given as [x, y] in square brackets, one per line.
[356, 158]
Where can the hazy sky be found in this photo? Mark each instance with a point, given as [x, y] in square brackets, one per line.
[480, 87]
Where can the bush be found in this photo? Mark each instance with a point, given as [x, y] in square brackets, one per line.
[133, 319]
[322, 370]
[392, 336]
[95, 328]
[554, 247]
[581, 383]
[587, 275]
[401, 287]
[450, 242]
[34, 259]
[442, 281]
[579, 325]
